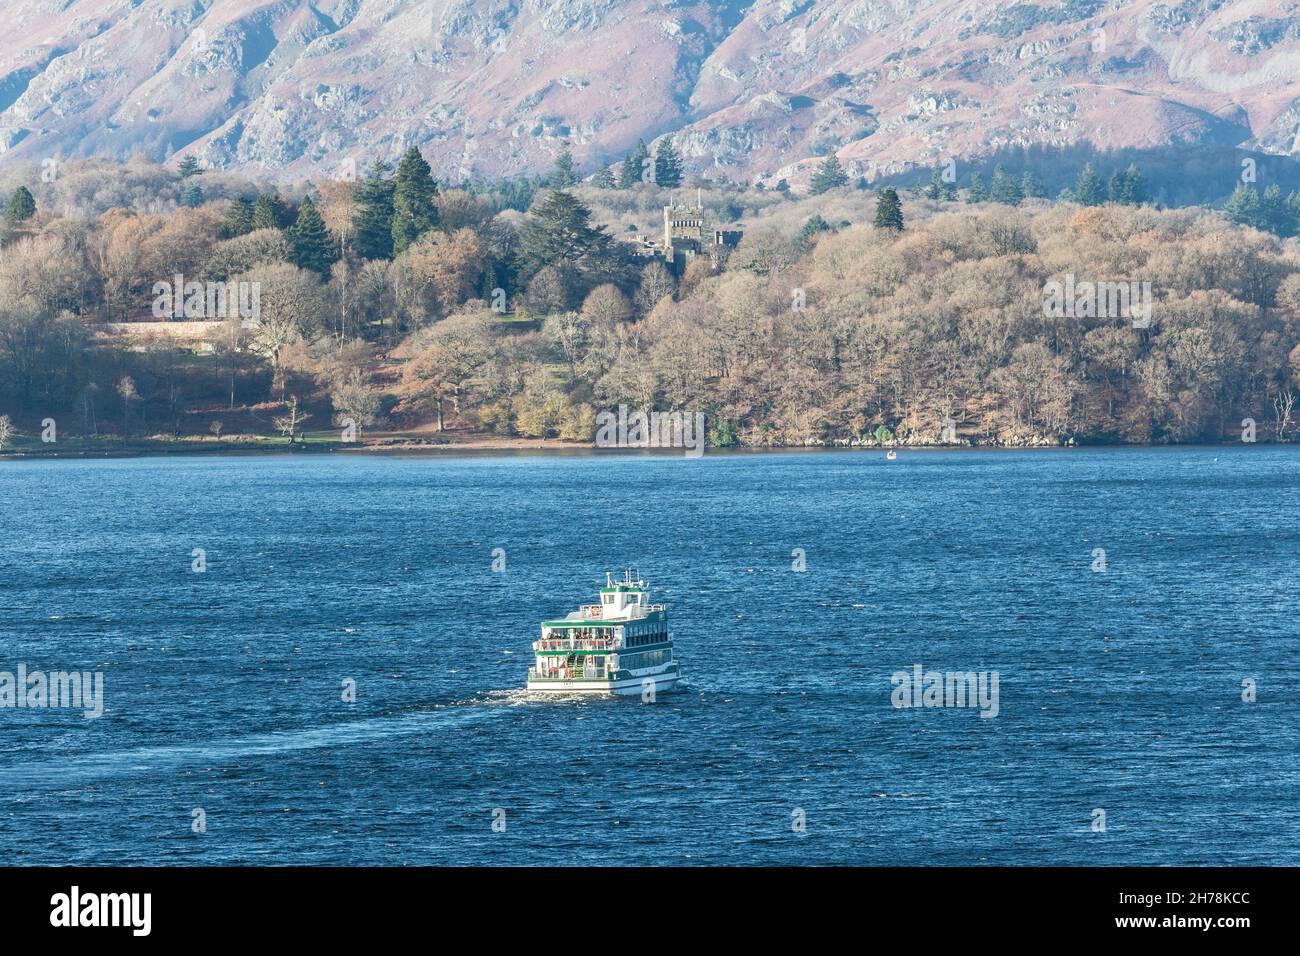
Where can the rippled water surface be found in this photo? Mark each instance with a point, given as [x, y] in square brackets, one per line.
[1119, 691]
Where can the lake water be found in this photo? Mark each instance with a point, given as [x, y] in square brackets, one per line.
[1119, 690]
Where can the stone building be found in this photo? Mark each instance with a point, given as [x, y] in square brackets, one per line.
[688, 234]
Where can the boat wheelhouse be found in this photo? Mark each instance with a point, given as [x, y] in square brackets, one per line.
[620, 646]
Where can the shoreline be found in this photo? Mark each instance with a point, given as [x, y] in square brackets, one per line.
[110, 449]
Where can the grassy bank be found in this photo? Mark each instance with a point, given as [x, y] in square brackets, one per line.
[111, 446]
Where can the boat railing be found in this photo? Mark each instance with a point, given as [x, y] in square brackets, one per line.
[579, 644]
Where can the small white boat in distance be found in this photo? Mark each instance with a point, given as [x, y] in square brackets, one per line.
[619, 647]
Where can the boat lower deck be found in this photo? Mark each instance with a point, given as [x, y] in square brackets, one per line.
[628, 685]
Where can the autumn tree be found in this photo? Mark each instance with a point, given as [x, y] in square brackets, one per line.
[656, 283]
[290, 305]
[440, 362]
[354, 399]
[261, 247]
[451, 265]
[606, 305]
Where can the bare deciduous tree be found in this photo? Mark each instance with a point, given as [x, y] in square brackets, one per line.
[293, 418]
[1283, 403]
[353, 398]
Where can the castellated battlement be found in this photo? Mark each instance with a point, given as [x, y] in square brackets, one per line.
[688, 233]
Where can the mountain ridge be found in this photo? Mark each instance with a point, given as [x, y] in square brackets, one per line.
[752, 91]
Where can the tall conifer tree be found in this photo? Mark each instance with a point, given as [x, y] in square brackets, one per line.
[310, 244]
[668, 165]
[889, 211]
[414, 213]
[22, 206]
[373, 225]
[634, 167]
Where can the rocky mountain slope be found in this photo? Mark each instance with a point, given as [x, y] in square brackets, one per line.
[751, 89]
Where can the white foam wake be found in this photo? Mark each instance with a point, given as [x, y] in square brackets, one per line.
[77, 769]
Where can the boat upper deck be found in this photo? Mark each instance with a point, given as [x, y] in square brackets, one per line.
[620, 602]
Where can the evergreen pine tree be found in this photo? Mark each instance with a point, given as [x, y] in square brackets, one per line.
[558, 232]
[1031, 186]
[935, 188]
[238, 220]
[268, 212]
[889, 211]
[563, 175]
[310, 244]
[811, 228]
[1293, 211]
[189, 167]
[414, 213]
[1243, 206]
[191, 195]
[668, 165]
[1117, 188]
[1004, 189]
[604, 179]
[22, 206]
[976, 191]
[634, 167]
[1137, 185]
[373, 225]
[830, 175]
[1274, 214]
[1089, 191]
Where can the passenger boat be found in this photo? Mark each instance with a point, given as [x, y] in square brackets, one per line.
[619, 647]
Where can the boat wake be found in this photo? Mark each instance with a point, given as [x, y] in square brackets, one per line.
[79, 769]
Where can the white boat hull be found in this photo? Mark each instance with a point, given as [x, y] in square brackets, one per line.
[632, 686]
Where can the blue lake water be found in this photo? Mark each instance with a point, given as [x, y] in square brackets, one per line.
[1118, 691]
